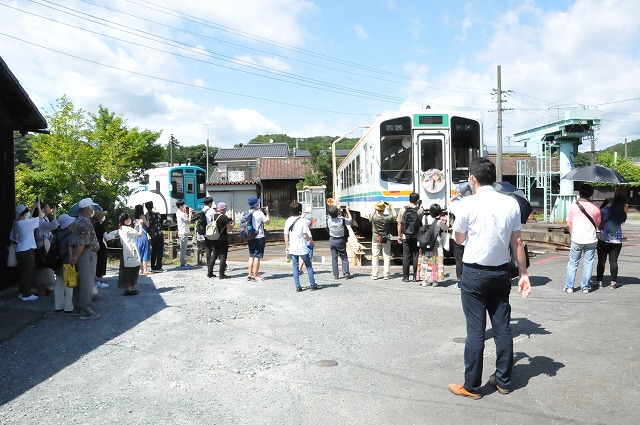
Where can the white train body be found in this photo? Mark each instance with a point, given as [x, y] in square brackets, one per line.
[425, 151]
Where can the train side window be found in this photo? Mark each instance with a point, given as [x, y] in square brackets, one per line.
[431, 154]
[201, 179]
[190, 187]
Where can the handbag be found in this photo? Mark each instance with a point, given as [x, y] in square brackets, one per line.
[12, 261]
[70, 275]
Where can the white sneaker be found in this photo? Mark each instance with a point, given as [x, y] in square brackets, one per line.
[29, 298]
[585, 291]
[568, 290]
[102, 285]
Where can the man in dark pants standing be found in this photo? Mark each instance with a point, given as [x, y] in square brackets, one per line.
[409, 223]
[489, 222]
[157, 237]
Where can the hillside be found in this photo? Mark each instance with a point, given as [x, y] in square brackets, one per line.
[323, 141]
[633, 148]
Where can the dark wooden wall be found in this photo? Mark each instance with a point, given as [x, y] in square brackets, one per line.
[7, 203]
[278, 195]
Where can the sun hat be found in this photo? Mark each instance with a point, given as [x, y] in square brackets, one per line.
[21, 209]
[65, 220]
[381, 206]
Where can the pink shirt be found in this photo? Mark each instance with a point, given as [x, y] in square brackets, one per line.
[582, 230]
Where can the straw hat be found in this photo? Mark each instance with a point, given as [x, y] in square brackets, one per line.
[381, 206]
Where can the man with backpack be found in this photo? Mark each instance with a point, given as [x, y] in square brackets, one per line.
[338, 236]
[217, 236]
[252, 228]
[409, 224]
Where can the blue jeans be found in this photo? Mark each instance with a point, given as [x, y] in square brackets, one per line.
[295, 262]
[576, 252]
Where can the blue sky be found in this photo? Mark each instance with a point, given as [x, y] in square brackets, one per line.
[307, 68]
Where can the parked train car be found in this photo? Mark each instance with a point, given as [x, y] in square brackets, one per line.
[425, 151]
[170, 184]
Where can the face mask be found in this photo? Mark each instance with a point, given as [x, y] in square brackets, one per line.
[93, 212]
[27, 215]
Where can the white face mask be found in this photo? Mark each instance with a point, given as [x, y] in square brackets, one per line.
[27, 215]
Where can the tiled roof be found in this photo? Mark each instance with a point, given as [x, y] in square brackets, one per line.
[340, 153]
[509, 167]
[253, 151]
[282, 168]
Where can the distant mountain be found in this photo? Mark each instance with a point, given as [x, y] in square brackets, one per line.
[633, 148]
[304, 143]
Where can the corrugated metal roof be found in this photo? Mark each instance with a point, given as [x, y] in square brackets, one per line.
[253, 151]
[19, 111]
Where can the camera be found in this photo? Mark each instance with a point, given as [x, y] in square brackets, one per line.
[343, 211]
[264, 210]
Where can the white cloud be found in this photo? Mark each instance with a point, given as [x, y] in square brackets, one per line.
[360, 32]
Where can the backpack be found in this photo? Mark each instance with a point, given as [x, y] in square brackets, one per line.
[247, 230]
[212, 232]
[429, 235]
[53, 260]
[201, 225]
[410, 221]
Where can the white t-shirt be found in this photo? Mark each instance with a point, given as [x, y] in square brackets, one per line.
[258, 223]
[24, 234]
[297, 242]
[488, 218]
[183, 226]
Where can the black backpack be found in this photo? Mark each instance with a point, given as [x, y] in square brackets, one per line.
[53, 260]
[429, 235]
[410, 221]
[201, 224]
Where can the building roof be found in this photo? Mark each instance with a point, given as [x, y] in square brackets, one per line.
[509, 167]
[282, 168]
[253, 151]
[16, 108]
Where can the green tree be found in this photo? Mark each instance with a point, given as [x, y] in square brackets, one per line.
[82, 157]
[628, 170]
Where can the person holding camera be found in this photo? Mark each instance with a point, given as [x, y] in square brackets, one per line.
[183, 217]
[338, 235]
[259, 218]
[409, 224]
[380, 242]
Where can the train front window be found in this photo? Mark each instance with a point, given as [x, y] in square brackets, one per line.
[201, 181]
[465, 147]
[395, 150]
[190, 187]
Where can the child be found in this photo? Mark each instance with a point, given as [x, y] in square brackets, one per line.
[432, 262]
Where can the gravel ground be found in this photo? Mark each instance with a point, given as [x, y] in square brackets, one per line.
[192, 350]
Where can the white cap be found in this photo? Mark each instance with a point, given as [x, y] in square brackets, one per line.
[84, 203]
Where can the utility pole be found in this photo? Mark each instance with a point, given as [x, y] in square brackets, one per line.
[498, 92]
[207, 153]
[625, 147]
[172, 142]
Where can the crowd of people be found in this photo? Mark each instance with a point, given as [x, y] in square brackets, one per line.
[82, 242]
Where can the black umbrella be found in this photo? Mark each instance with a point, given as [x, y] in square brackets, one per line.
[73, 211]
[508, 189]
[595, 174]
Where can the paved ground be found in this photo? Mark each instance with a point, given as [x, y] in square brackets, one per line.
[194, 350]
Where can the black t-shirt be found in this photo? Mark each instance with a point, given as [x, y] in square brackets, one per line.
[221, 223]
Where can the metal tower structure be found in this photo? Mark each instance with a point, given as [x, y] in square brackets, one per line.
[543, 143]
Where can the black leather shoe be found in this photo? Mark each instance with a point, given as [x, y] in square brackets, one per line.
[314, 287]
[224, 276]
[210, 275]
[405, 279]
[348, 276]
[298, 288]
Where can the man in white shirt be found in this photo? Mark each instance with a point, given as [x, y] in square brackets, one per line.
[490, 223]
[296, 236]
[257, 244]
[183, 220]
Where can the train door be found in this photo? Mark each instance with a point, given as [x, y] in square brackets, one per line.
[190, 195]
[431, 169]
